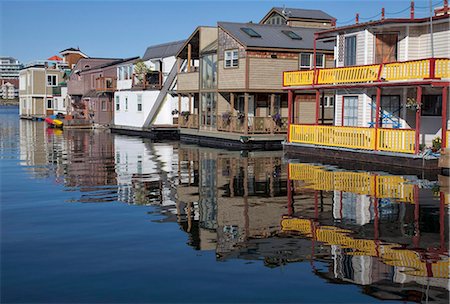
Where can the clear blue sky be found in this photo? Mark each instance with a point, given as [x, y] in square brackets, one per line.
[33, 30]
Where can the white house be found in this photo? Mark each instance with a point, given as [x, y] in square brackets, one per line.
[144, 100]
[60, 100]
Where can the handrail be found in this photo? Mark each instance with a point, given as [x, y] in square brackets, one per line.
[430, 68]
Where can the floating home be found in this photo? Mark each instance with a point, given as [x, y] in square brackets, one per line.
[391, 93]
[144, 101]
[230, 75]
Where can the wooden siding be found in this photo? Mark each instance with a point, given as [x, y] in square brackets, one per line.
[188, 82]
[314, 24]
[226, 42]
[267, 73]
[231, 78]
[207, 36]
[305, 109]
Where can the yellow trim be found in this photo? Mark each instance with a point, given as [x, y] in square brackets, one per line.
[406, 70]
[348, 74]
[298, 78]
[396, 140]
[442, 68]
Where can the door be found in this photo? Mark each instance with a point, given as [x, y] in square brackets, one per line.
[350, 111]
[386, 48]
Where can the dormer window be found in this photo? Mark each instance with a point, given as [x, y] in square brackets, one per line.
[292, 35]
[251, 32]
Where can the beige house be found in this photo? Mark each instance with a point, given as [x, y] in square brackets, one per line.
[231, 76]
[36, 84]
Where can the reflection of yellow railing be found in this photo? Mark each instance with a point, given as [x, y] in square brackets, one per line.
[348, 74]
[363, 183]
[396, 140]
[442, 68]
[388, 252]
[347, 137]
[298, 78]
[417, 69]
[392, 140]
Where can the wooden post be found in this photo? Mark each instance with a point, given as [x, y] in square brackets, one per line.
[444, 116]
[179, 110]
[272, 104]
[190, 103]
[189, 57]
[179, 65]
[232, 103]
[290, 113]
[246, 113]
[377, 116]
[418, 116]
[317, 106]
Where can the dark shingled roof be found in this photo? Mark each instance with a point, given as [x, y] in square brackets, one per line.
[303, 13]
[163, 50]
[272, 36]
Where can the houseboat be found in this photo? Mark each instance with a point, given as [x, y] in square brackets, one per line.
[391, 84]
[230, 75]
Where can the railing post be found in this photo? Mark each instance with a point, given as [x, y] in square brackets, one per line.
[246, 113]
[377, 116]
[432, 68]
[444, 116]
[418, 115]
[290, 114]
[317, 106]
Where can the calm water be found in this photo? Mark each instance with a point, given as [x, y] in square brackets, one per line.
[90, 217]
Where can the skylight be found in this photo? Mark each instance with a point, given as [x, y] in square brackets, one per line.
[292, 35]
[250, 32]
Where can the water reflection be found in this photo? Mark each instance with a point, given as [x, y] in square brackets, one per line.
[386, 233]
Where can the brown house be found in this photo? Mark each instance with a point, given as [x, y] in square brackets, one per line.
[91, 87]
[231, 76]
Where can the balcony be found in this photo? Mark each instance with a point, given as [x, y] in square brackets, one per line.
[151, 81]
[105, 84]
[188, 121]
[416, 70]
[188, 81]
[255, 125]
[56, 91]
[381, 139]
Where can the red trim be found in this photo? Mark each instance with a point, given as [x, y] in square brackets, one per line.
[357, 18]
[382, 13]
[290, 113]
[444, 117]
[435, 83]
[377, 116]
[418, 112]
[342, 112]
[411, 12]
[317, 106]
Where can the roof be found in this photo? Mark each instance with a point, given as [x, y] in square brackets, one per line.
[303, 13]
[272, 36]
[73, 50]
[323, 33]
[55, 58]
[213, 46]
[108, 64]
[163, 50]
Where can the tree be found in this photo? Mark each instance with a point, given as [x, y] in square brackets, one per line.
[140, 69]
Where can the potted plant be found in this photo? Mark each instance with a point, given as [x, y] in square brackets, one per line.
[185, 114]
[241, 117]
[436, 144]
[226, 117]
[411, 103]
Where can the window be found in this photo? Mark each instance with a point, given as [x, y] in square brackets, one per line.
[117, 103]
[208, 71]
[49, 103]
[231, 59]
[305, 61]
[103, 105]
[350, 51]
[126, 103]
[390, 110]
[139, 103]
[320, 60]
[51, 80]
[350, 111]
[292, 35]
[251, 32]
[125, 76]
[431, 105]
[329, 101]
[130, 71]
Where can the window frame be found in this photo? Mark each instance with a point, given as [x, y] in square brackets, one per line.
[50, 84]
[354, 55]
[139, 103]
[104, 106]
[300, 61]
[51, 104]
[234, 60]
[117, 102]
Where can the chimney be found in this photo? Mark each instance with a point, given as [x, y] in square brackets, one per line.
[412, 10]
[382, 13]
[357, 18]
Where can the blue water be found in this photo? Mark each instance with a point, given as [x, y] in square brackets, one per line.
[83, 222]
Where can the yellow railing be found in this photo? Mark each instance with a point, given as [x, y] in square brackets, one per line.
[380, 186]
[396, 140]
[448, 139]
[298, 78]
[389, 253]
[347, 137]
[418, 69]
[442, 68]
[348, 74]
[391, 140]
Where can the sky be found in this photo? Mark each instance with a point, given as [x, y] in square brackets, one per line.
[37, 30]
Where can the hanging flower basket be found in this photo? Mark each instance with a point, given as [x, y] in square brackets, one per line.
[277, 119]
[186, 114]
[411, 103]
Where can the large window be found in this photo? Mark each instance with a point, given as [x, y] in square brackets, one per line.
[431, 105]
[209, 71]
[139, 103]
[104, 106]
[208, 109]
[350, 51]
[390, 110]
[51, 80]
[231, 59]
[307, 59]
[350, 111]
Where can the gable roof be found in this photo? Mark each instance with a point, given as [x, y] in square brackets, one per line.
[163, 50]
[273, 37]
[298, 13]
[109, 64]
